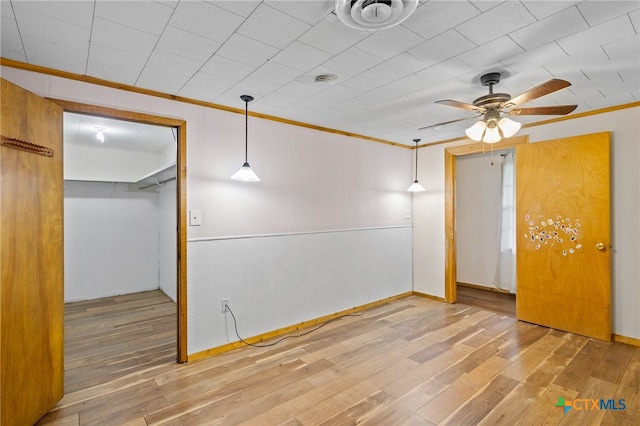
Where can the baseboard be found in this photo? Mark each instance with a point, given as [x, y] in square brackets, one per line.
[429, 296]
[624, 339]
[481, 287]
[270, 335]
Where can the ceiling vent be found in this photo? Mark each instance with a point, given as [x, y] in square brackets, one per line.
[374, 14]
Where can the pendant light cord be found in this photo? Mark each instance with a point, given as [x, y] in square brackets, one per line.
[246, 131]
[416, 141]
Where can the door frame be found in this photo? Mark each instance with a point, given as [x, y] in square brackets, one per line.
[181, 196]
[450, 156]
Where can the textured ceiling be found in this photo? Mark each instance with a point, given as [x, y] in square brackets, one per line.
[387, 80]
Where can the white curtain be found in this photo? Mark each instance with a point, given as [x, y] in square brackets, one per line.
[505, 278]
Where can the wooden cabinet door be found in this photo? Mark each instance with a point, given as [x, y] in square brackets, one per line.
[563, 234]
[31, 267]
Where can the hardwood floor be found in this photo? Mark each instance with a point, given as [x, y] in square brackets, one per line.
[413, 361]
[502, 303]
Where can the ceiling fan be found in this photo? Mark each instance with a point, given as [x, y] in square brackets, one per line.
[493, 126]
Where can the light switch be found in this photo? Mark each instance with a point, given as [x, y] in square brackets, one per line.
[407, 213]
[195, 218]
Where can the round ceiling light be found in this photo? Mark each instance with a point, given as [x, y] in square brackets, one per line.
[374, 14]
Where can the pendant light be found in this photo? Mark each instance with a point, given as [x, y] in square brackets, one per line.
[245, 173]
[415, 186]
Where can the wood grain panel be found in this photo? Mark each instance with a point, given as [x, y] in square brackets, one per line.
[32, 293]
[562, 214]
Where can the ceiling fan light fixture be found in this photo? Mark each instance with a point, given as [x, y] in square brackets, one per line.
[492, 134]
[508, 127]
[476, 131]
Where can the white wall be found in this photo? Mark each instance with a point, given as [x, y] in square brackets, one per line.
[167, 244]
[280, 280]
[624, 125]
[110, 240]
[312, 181]
[478, 209]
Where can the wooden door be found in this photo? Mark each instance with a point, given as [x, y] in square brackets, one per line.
[31, 267]
[563, 234]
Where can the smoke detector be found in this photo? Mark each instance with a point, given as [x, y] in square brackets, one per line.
[374, 14]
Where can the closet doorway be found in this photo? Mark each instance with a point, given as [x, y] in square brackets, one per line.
[452, 232]
[485, 231]
[128, 170]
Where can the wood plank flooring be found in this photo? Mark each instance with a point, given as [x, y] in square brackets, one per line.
[502, 303]
[413, 361]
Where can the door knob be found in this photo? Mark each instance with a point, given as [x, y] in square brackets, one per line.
[601, 246]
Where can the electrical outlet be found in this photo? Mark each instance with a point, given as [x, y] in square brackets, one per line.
[225, 305]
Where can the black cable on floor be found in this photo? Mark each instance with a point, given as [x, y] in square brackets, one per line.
[235, 325]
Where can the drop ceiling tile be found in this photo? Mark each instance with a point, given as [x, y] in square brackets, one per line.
[242, 8]
[51, 30]
[332, 36]
[124, 38]
[544, 9]
[400, 66]
[436, 17]
[10, 42]
[563, 24]
[310, 12]
[503, 19]
[246, 51]
[55, 55]
[631, 78]
[163, 81]
[77, 13]
[595, 57]
[205, 20]
[150, 17]
[442, 47]
[112, 64]
[173, 64]
[451, 68]
[255, 87]
[274, 102]
[533, 58]
[301, 56]
[206, 86]
[272, 27]
[220, 66]
[492, 52]
[598, 35]
[352, 62]
[597, 12]
[298, 90]
[275, 73]
[391, 42]
[183, 43]
[338, 93]
[635, 20]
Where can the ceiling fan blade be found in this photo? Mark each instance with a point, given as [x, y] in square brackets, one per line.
[448, 122]
[458, 104]
[543, 89]
[548, 110]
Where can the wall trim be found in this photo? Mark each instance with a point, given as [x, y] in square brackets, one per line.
[627, 340]
[429, 296]
[289, 234]
[275, 333]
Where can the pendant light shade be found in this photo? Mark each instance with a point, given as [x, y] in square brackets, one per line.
[245, 173]
[415, 186]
